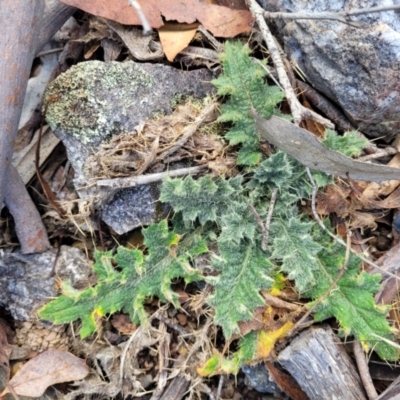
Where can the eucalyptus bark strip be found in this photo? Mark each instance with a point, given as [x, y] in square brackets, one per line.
[20, 21]
[28, 223]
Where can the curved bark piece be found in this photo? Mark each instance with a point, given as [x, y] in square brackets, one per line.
[308, 150]
[55, 15]
[20, 21]
[28, 223]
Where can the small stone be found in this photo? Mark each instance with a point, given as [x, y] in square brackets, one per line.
[182, 319]
[44, 332]
[27, 326]
[51, 336]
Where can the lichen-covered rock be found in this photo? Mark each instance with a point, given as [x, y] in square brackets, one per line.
[358, 68]
[95, 100]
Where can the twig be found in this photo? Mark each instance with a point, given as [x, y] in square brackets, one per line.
[260, 224]
[336, 238]
[219, 390]
[163, 355]
[214, 42]
[343, 269]
[279, 303]
[265, 227]
[190, 130]
[29, 226]
[51, 51]
[326, 106]
[119, 183]
[363, 371]
[341, 16]
[264, 242]
[173, 326]
[298, 111]
[388, 151]
[147, 30]
[124, 354]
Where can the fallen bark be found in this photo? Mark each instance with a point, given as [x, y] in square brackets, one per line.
[20, 21]
[28, 223]
[27, 26]
[55, 15]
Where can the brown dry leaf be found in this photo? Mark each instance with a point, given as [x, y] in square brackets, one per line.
[48, 368]
[344, 202]
[175, 37]
[123, 324]
[221, 21]
[374, 190]
[312, 126]
[335, 199]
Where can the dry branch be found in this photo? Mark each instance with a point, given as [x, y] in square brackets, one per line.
[120, 183]
[299, 112]
[341, 16]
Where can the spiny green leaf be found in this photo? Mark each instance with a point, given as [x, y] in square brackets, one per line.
[243, 81]
[274, 172]
[140, 277]
[244, 271]
[295, 248]
[351, 302]
[204, 199]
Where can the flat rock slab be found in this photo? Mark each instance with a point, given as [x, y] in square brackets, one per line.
[358, 68]
[29, 281]
[95, 100]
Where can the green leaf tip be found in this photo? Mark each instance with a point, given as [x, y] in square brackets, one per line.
[243, 80]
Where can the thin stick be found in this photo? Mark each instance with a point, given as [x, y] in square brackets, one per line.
[279, 303]
[124, 354]
[343, 269]
[334, 237]
[219, 390]
[363, 371]
[388, 151]
[147, 30]
[119, 183]
[214, 42]
[264, 242]
[298, 111]
[260, 223]
[341, 16]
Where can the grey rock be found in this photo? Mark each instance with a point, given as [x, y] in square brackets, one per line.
[29, 281]
[95, 100]
[358, 68]
[258, 378]
[133, 207]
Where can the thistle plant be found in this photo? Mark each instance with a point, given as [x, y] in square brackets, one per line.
[221, 214]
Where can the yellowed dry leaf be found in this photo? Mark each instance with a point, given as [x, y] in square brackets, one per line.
[46, 369]
[175, 37]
